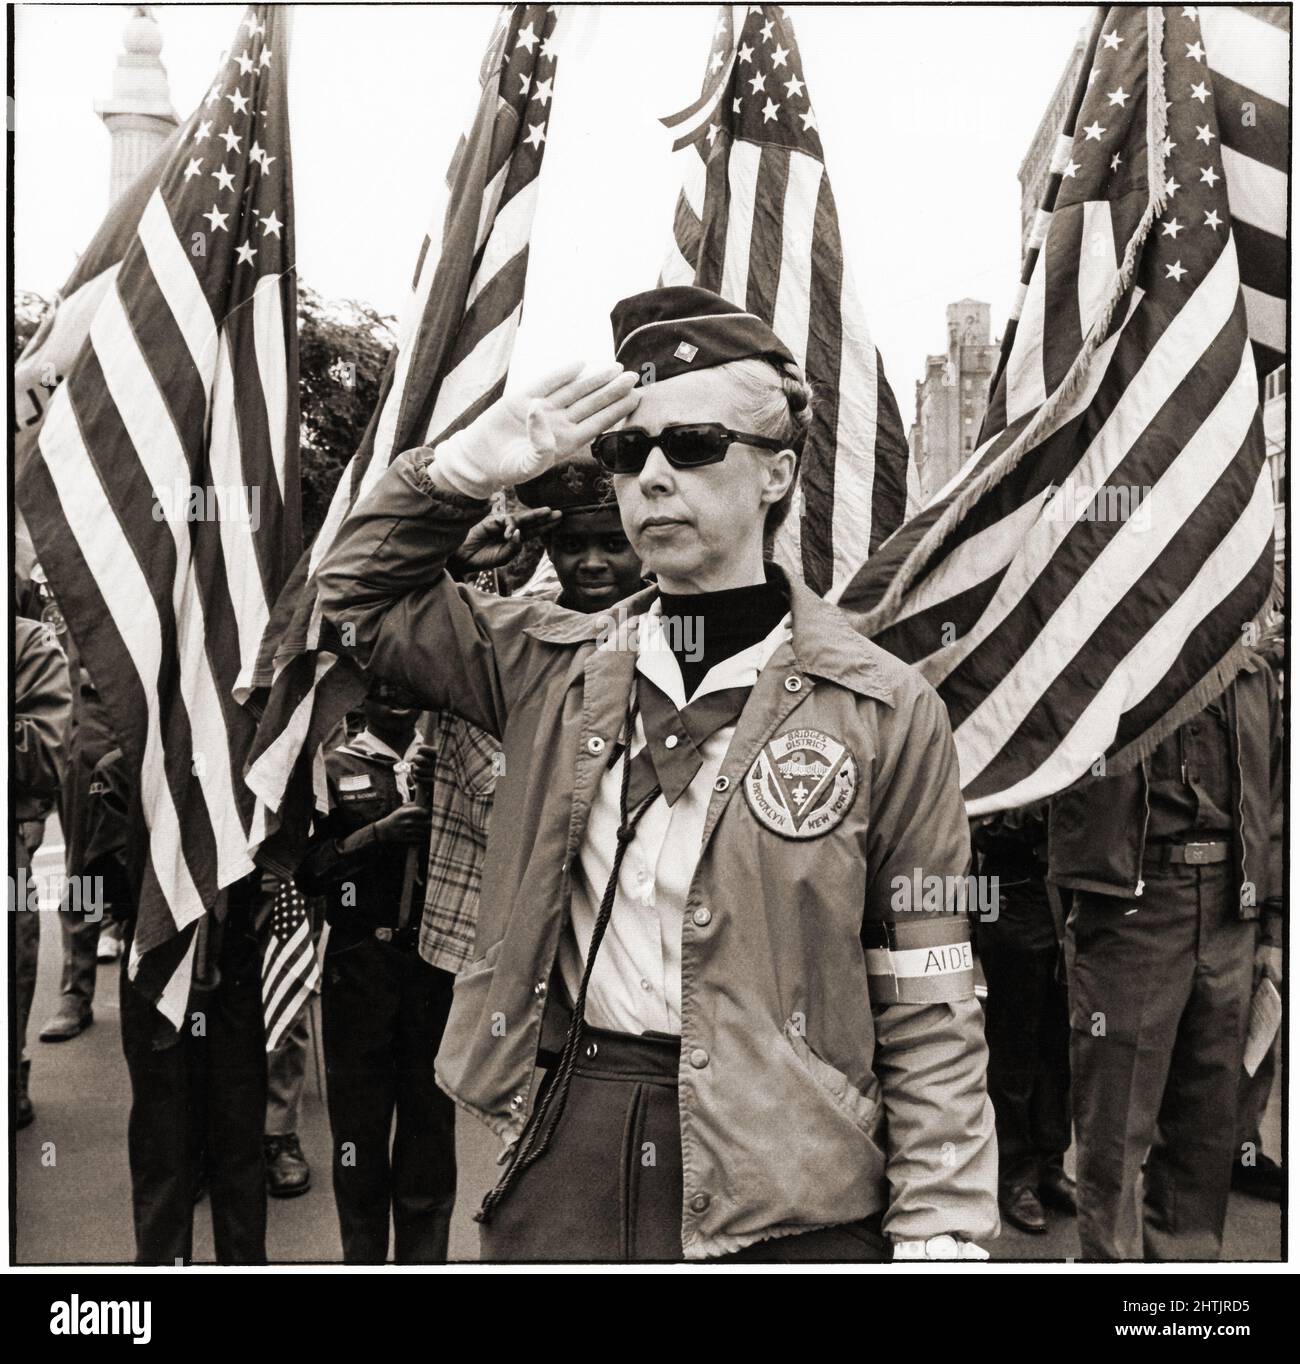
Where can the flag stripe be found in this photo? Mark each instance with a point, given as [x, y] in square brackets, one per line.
[109, 560]
[1248, 50]
[765, 230]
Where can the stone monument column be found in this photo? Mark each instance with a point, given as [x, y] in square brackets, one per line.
[139, 114]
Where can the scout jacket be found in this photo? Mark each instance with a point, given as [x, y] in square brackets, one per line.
[1098, 827]
[821, 1081]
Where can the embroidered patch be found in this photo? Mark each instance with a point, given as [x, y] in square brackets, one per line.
[685, 351]
[802, 784]
[355, 782]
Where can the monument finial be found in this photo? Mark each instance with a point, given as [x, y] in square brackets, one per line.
[139, 113]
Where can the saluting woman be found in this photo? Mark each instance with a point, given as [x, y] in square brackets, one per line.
[705, 1017]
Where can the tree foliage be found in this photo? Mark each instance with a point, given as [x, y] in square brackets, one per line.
[29, 309]
[343, 347]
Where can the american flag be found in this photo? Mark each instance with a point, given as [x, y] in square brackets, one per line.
[756, 223]
[1248, 54]
[1089, 579]
[162, 490]
[454, 346]
[290, 966]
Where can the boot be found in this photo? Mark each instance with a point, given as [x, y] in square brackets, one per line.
[71, 1020]
[287, 1171]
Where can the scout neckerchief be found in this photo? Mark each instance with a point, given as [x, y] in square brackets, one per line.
[368, 745]
[671, 756]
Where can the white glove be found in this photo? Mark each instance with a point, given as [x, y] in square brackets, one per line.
[943, 1247]
[521, 435]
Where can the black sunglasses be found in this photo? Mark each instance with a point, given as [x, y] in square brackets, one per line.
[689, 445]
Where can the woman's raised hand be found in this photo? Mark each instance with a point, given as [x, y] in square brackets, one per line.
[565, 411]
[524, 433]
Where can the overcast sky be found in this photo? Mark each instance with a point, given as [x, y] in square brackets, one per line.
[925, 114]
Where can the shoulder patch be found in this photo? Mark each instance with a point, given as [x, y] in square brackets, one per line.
[802, 784]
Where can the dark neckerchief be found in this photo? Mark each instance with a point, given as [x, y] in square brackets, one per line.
[716, 625]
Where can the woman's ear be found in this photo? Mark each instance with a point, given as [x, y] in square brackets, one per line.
[780, 469]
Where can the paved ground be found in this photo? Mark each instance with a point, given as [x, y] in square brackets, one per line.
[73, 1186]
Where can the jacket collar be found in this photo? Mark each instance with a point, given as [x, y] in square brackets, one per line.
[823, 638]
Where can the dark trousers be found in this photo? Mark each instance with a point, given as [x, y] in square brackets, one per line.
[1027, 1027]
[609, 1186]
[80, 942]
[384, 1011]
[199, 1096]
[1159, 993]
[286, 1070]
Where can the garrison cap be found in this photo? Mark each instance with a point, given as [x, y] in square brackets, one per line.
[681, 328]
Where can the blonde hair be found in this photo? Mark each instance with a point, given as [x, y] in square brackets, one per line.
[781, 400]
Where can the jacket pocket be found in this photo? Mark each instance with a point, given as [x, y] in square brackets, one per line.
[864, 1109]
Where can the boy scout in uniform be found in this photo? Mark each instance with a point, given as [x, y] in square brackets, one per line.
[694, 911]
[382, 1007]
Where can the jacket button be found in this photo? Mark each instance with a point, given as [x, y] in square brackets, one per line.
[595, 744]
[702, 917]
[700, 1202]
[699, 1058]
[671, 741]
[591, 1050]
[517, 1101]
[793, 683]
[539, 988]
[722, 783]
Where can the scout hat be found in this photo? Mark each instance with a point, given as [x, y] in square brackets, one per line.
[674, 330]
[580, 489]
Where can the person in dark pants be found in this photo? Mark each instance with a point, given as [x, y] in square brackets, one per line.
[90, 739]
[383, 1007]
[198, 1095]
[40, 722]
[674, 782]
[1176, 872]
[1026, 1021]
[1254, 1172]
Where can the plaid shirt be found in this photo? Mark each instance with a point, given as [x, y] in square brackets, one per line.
[466, 777]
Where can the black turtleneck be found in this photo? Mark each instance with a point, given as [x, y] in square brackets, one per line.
[719, 624]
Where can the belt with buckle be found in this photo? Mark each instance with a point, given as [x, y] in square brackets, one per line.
[399, 937]
[1188, 854]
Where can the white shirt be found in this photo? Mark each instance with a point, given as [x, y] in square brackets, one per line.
[636, 983]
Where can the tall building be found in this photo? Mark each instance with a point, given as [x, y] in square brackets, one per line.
[952, 398]
[1034, 169]
[139, 114]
